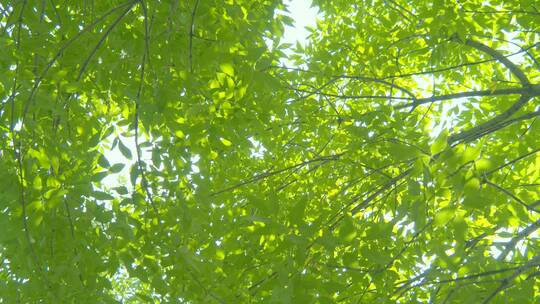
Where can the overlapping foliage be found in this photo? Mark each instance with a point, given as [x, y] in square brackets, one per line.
[393, 159]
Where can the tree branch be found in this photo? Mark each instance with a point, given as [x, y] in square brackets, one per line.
[271, 173]
[501, 125]
[482, 128]
[506, 282]
[377, 80]
[144, 181]
[531, 91]
[517, 199]
[191, 35]
[502, 59]
[521, 235]
[525, 97]
[102, 39]
[512, 161]
[38, 80]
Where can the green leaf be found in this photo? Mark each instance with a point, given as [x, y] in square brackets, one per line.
[121, 190]
[124, 150]
[440, 143]
[347, 232]
[102, 196]
[227, 68]
[103, 162]
[414, 187]
[116, 168]
[134, 174]
[225, 142]
[270, 170]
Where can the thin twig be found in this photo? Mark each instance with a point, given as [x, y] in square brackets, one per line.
[507, 282]
[532, 91]
[141, 169]
[103, 37]
[59, 53]
[515, 198]
[191, 34]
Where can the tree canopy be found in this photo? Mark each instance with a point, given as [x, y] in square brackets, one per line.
[393, 158]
